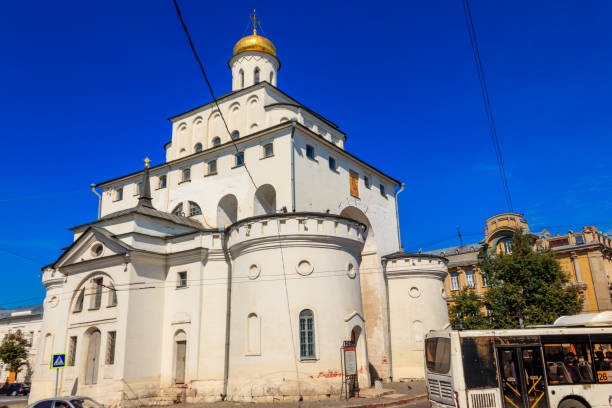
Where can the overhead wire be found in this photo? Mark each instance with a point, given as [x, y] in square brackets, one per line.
[178, 11]
[487, 102]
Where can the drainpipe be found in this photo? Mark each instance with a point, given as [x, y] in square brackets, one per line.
[228, 311]
[93, 189]
[293, 165]
[389, 343]
[399, 237]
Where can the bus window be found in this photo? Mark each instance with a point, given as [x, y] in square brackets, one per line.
[602, 354]
[437, 354]
[479, 367]
[568, 363]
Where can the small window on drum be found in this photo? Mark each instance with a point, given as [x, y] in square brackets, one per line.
[198, 147]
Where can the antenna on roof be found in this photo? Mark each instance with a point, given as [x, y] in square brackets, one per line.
[460, 237]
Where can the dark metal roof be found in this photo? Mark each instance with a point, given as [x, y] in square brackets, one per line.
[459, 249]
[401, 255]
[21, 312]
[149, 212]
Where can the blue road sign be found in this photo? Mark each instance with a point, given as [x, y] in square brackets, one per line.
[58, 360]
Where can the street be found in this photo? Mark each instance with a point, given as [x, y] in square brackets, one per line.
[7, 400]
[422, 403]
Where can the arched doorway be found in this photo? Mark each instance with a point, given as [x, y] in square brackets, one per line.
[93, 354]
[265, 200]
[180, 354]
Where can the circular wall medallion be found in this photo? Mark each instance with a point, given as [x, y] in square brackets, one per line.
[254, 271]
[53, 301]
[414, 292]
[96, 250]
[350, 271]
[304, 267]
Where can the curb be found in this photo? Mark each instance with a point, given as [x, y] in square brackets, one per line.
[390, 403]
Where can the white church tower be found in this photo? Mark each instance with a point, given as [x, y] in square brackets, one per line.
[237, 268]
[254, 61]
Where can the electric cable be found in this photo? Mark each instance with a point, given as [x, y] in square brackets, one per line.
[487, 102]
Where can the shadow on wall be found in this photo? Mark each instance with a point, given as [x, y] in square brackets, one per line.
[373, 374]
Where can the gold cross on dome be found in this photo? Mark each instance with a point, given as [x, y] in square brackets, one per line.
[147, 161]
[253, 18]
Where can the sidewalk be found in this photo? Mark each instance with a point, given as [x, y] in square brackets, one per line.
[402, 393]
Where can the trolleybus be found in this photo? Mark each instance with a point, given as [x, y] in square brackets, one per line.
[565, 365]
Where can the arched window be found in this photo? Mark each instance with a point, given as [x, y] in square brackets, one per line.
[194, 209]
[198, 147]
[216, 141]
[241, 78]
[178, 210]
[254, 335]
[256, 75]
[235, 134]
[307, 340]
[271, 77]
[78, 305]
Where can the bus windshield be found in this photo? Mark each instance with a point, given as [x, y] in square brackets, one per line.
[437, 354]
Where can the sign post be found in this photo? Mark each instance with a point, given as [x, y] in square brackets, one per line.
[57, 361]
[348, 358]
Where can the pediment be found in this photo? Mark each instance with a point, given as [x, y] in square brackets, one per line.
[95, 243]
[356, 316]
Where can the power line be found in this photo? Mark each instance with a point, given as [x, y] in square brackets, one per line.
[21, 256]
[487, 102]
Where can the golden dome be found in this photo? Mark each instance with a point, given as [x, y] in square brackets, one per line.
[254, 43]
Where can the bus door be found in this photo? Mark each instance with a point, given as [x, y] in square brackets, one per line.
[522, 377]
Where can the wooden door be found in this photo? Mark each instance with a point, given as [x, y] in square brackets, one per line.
[93, 352]
[181, 351]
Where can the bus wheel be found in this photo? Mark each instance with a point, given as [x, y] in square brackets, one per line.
[571, 403]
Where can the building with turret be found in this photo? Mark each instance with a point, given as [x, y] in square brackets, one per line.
[239, 267]
[585, 256]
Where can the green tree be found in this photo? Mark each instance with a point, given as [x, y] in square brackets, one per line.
[526, 284]
[466, 310]
[14, 351]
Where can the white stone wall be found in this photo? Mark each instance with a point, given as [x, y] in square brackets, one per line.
[29, 325]
[247, 62]
[319, 261]
[417, 305]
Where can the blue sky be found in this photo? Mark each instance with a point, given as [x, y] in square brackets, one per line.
[86, 89]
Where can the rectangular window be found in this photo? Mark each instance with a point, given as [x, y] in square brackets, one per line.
[212, 167]
[110, 347]
[579, 240]
[354, 183]
[239, 159]
[602, 353]
[162, 181]
[507, 246]
[382, 190]
[112, 297]
[366, 182]
[568, 360]
[454, 280]
[72, 351]
[437, 354]
[558, 242]
[479, 366]
[119, 194]
[484, 281]
[310, 152]
[186, 174]
[138, 189]
[97, 299]
[268, 150]
[469, 278]
[182, 280]
[332, 163]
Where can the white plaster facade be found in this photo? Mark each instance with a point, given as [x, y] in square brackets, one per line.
[26, 320]
[229, 267]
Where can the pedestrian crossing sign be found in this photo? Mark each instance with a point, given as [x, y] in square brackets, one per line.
[58, 360]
